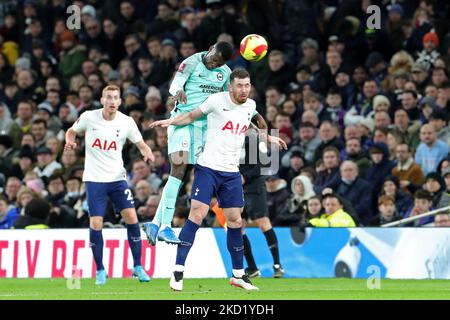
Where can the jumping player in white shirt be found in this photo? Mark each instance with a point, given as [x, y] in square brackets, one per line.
[217, 171]
[106, 131]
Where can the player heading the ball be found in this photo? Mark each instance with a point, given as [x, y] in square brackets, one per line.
[198, 76]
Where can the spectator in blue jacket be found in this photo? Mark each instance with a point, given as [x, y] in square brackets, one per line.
[356, 190]
[431, 150]
[24, 196]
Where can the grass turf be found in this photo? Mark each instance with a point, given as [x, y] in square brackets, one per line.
[220, 289]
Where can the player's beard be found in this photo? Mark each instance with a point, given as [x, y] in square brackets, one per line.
[240, 98]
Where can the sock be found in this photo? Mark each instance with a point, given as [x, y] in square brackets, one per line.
[166, 207]
[272, 242]
[96, 240]
[248, 253]
[187, 237]
[178, 268]
[235, 245]
[157, 218]
[238, 273]
[134, 240]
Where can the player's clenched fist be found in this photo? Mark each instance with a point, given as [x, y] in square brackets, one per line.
[70, 145]
[181, 96]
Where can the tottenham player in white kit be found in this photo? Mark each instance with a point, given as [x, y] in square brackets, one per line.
[217, 171]
[106, 131]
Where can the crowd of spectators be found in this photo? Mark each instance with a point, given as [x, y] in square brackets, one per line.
[365, 112]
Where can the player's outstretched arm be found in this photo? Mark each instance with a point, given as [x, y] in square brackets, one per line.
[145, 150]
[70, 140]
[181, 120]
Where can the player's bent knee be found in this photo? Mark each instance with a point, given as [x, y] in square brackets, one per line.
[263, 223]
[96, 223]
[234, 219]
[198, 212]
[129, 215]
[179, 159]
[237, 223]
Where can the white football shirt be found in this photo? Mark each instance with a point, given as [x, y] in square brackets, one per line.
[227, 124]
[104, 143]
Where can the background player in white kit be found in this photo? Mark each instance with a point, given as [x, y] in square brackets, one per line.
[106, 131]
[217, 171]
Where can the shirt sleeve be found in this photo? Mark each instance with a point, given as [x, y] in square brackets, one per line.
[184, 71]
[208, 105]
[134, 135]
[227, 82]
[80, 125]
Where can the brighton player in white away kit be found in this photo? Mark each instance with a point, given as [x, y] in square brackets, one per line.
[106, 131]
[217, 171]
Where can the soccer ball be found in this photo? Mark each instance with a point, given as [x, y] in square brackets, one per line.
[253, 47]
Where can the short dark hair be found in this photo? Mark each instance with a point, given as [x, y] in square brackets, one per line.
[74, 178]
[38, 208]
[132, 36]
[307, 125]
[401, 110]
[440, 68]
[413, 93]
[28, 102]
[353, 138]
[332, 149]
[85, 86]
[225, 49]
[403, 142]
[385, 131]
[113, 20]
[239, 73]
[371, 80]
[283, 114]
[55, 176]
[423, 194]
[334, 196]
[333, 91]
[38, 121]
[153, 38]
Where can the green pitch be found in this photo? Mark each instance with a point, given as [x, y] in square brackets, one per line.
[220, 289]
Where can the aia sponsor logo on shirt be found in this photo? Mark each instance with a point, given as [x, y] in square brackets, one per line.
[235, 128]
[104, 145]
